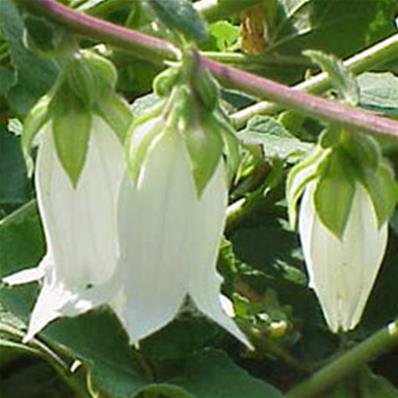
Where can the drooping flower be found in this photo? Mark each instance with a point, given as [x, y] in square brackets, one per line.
[349, 194]
[342, 271]
[79, 223]
[169, 239]
[78, 173]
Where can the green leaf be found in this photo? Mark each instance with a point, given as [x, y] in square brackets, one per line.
[334, 193]
[276, 141]
[336, 27]
[379, 92]
[212, 374]
[180, 15]
[180, 338]
[41, 34]
[35, 75]
[7, 80]
[375, 386]
[13, 182]
[223, 35]
[342, 79]
[71, 131]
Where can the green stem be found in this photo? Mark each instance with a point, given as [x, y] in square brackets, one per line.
[250, 60]
[376, 55]
[144, 45]
[376, 345]
[35, 346]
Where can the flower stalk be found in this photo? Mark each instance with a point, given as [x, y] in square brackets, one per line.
[379, 343]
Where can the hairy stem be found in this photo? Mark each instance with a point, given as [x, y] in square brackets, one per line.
[378, 54]
[376, 345]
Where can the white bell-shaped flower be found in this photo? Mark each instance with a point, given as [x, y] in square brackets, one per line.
[342, 272]
[169, 239]
[78, 271]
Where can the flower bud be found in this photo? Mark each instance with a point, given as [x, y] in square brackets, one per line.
[342, 271]
[343, 223]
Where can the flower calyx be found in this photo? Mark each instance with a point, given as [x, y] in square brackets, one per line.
[84, 88]
[191, 111]
[342, 160]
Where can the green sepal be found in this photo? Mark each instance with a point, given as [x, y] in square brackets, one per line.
[90, 76]
[82, 81]
[102, 67]
[299, 176]
[205, 88]
[138, 148]
[116, 113]
[35, 120]
[331, 137]
[202, 137]
[365, 149]
[71, 130]
[334, 192]
[165, 81]
[383, 190]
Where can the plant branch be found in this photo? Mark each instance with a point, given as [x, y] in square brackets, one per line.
[376, 345]
[373, 56]
[311, 105]
[146, 45]
[142, 45]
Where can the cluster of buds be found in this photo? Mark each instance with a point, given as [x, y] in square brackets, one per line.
[348, 195]
[139, 235]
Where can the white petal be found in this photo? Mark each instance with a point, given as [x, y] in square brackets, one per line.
[80, 223]
[208, 218]
[80, 229]
[343, 271]
[154, 219]
[365, 245]
[24, 276]
[169, 241]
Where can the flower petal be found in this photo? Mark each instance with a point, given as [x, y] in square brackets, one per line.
[208, 220]
[154, 220]
[78, 270]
